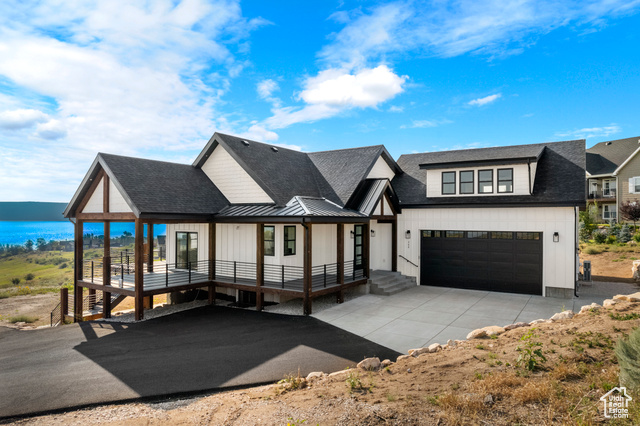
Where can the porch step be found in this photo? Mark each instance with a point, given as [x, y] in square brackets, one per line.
[386, 283]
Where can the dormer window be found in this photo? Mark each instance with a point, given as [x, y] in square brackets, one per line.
[505, 180]
[466, 182]
[485, 181]
[448, 183]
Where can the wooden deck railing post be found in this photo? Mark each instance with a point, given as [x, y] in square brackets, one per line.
[78, 272]
[64, 303]
[340, 260]
[282, 276]
[166, 274]
[138, 270]
[307, 269]
[259, 265]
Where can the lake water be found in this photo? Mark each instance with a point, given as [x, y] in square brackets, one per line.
[17, 233]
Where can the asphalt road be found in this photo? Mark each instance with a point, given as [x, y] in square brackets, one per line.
[194, 351]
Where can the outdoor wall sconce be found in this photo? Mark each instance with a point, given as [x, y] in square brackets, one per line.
[373, 233]
[352, 234]
[407, 234]
[556, 237]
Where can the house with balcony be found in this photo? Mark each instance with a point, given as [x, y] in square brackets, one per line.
[261, 222]
[613, 176]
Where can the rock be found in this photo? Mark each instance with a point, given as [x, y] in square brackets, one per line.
[434, 347]
[560, 316]
[418, 352]
[587, 308]
[494, 330]
[476, 334]
[451, 343]
[403, 357]
[370, 364]
[609, 303]
[515, 325]
[386, 363]
[315, 375]
[339, 373]
[635, 270]
[538, 321]
[488, 400]
[635, 297]
[408, 370]
[620, 297]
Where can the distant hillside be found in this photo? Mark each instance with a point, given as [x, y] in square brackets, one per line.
[31, 211]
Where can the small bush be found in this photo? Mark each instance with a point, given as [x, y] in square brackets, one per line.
[15, 281]
[624, 317]
[23, 318]
[625, 234]
[628, 353]
[584, 232]
[636, 237]
[29, 277]
[531, 357]
[62, 266]
[600, 236]
[592, 250]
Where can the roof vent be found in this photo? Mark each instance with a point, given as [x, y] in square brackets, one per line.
[608, 143]
[274, 149]
[245, 143]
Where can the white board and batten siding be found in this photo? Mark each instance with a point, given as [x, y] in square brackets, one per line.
[378, 211]
[380, 246]
[558, 258]
[521, 181]
[381, 170]
[232, 180]
[202, 229]
[117, 203]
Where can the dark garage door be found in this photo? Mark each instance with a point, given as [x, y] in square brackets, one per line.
[495, 261]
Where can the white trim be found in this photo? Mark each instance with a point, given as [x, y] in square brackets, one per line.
[626, 161]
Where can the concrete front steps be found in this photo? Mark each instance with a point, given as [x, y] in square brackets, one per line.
[386, 283]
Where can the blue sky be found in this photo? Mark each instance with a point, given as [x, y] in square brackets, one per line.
[156, 79]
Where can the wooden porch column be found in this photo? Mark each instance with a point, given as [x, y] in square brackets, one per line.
[212, 262]
[366, 244]
[394, 245]
[150, 247]
[307, 269]
[64, 303]
[106, 271]
[340, 260]
[259, 265]
[138, 271]
[79, 263]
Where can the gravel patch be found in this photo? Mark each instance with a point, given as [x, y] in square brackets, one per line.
[160, 311]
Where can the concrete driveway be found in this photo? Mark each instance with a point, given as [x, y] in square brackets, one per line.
[424, 315]
[193, 351]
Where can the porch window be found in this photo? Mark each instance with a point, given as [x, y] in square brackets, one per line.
[269, 241]
[505, 180]
[186, 250]
[609, 212]
[448, 183]
[485, 181]
[466, 182]
[289, 240]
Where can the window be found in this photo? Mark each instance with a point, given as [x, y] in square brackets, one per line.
[448, 183]
[289, 240]
[466, 182]
[269, 241]
[527, 235]
[454, 234]
[478, 235]
[485, 181]
[609, 212]
[187, 250]
[502, 235]
[431, 234]
[634, 185]
[609, 188]
[505, 180]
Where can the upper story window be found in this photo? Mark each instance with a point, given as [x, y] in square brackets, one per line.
[448, 183]
[269, 241]
[466, 182]
[634, 185]
[505, 180]
[485, 181]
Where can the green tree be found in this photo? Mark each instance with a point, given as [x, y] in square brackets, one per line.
[588, 218]
[28, 245]
[42, 244]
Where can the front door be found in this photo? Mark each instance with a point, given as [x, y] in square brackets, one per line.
[187, 250]
[358, 246]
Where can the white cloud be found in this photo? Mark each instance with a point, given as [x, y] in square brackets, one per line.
[266, 88]
[486, 100]
[333, 91]
[395, 108]
[591, 132]
[21, 118]
[259, 133]
[420, 124]
[52, 129]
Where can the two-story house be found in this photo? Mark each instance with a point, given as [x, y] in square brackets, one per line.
[613, 176]
[252, 218]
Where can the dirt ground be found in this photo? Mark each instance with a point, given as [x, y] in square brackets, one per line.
[475, 382]
[609, 266]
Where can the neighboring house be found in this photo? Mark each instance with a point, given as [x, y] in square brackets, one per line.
[613, 176]
[260, 222]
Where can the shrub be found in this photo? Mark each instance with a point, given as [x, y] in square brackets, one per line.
[531, 357]
[23, 318]
[611, 239]
[592, 250]
[628, 353]
[29, 277]
[615, 230]
[15, 281]
[625, 234]
[584, 233]
[62, 266]
[636, 237]
[600, 236]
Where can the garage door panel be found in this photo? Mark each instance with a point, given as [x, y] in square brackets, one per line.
[510, 265]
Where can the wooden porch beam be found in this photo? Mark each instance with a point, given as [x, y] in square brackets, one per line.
[259, 265]
[139, 272]
[212, 251]
[106, 268]
[101, 217]
[78, 260]
[394, 245]
[149, 247]
[340, 260]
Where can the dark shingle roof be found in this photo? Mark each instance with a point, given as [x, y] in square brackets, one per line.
[495, 155]
[344, 169]
[606, 157]
[559, 178]
[282, 173]
[157, 187]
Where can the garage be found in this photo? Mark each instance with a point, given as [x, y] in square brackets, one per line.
[482, 260]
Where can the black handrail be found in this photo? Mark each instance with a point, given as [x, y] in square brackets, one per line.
[402, 257]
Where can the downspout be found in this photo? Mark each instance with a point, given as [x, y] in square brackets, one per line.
[529, 167]
[577, 250]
